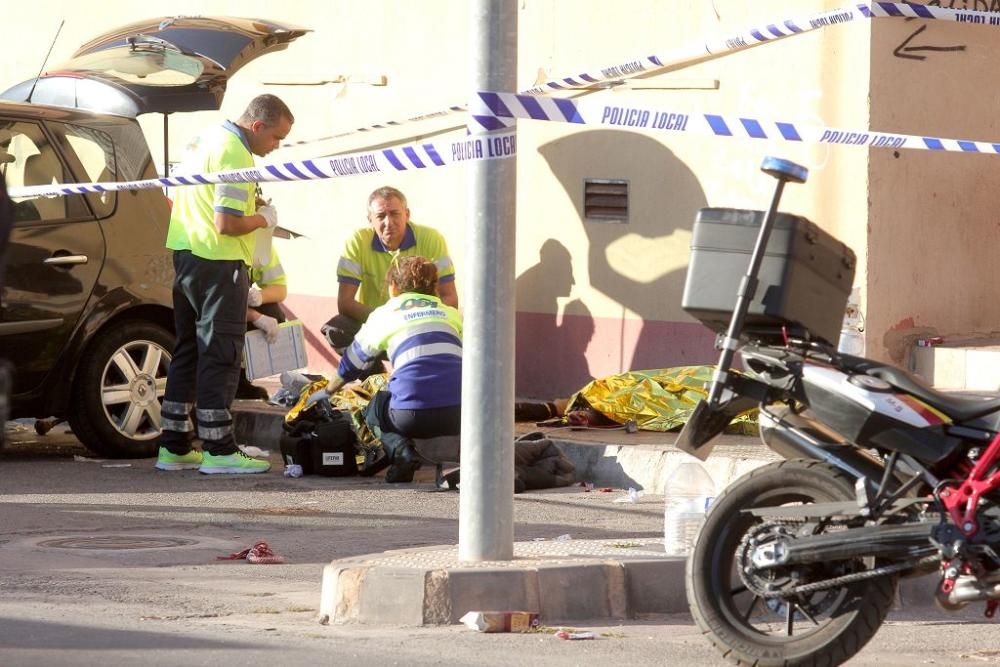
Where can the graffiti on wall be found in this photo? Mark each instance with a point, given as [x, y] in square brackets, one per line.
[915, 47]
[974, 5]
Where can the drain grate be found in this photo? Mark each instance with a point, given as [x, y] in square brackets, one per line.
[117, 542]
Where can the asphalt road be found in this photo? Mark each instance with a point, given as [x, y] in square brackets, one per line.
[114, 563]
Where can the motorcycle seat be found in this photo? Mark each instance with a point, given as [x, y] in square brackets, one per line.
[959, 407]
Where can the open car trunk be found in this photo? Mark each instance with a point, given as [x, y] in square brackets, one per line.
[160, 65]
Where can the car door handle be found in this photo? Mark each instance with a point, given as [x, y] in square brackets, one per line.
[66, 259]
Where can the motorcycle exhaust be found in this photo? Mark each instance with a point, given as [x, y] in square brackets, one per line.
[790, 441]
[969, 589]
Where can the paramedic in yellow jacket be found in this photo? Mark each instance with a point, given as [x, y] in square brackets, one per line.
[423, 338]
[268, 288]
[212, 235]
[367, 257]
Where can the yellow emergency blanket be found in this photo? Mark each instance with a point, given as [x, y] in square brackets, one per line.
[656, 400]
[354, 398]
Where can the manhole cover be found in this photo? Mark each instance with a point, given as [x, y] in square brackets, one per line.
[117, 542]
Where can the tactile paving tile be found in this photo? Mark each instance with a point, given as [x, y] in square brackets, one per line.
[526, 554]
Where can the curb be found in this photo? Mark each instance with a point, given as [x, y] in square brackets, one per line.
[368, 590]
[384, 589]
[259, 424]
[647, 467]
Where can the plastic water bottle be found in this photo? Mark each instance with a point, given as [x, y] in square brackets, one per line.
[852, 340]
[688, 493]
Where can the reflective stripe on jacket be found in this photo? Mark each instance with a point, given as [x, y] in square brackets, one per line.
[423, 339]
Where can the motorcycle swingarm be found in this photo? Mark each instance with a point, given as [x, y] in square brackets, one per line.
[817, 511]
[899, 541]
[811, 512]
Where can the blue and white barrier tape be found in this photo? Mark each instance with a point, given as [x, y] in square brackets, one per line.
[861, 11]
[378, 126]
[532, 104]
[401, 158]
[595, 112]
[750, 37]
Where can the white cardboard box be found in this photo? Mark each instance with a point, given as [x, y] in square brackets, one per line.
[288, 353]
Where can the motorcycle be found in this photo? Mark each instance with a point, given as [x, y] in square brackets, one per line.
[797, 562]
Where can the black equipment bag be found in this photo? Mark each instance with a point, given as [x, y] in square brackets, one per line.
[327, 448]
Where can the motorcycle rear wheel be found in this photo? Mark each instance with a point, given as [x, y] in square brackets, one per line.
[823, 628]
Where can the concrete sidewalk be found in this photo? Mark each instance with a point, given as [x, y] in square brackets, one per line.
[563, 580]
[604, 457]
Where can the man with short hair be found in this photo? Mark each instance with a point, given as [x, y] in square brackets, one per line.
[212, 233]
[368, 255]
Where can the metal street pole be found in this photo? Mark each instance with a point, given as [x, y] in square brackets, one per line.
[486, 505]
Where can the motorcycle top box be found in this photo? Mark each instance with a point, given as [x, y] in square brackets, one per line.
[805, 277]
[882, 478]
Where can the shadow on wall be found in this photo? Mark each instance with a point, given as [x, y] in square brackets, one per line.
[551, 354]
[640, 264]
[311, 323]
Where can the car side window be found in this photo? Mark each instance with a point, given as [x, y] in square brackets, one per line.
[96, 153]
[28, 158]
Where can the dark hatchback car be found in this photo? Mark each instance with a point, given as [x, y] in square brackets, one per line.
[85, 309]
[85, 313]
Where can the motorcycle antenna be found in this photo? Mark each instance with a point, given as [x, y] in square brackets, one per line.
[44, 62]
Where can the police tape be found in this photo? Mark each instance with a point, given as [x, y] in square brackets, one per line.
[418, 156]
[379, 126]
[861, 11]
[750, 37]
[755, 36]
[494, 107]
[401, 158]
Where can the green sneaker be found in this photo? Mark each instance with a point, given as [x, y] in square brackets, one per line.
[167, 460]
[237, 462]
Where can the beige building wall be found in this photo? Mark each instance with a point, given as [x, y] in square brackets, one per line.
[624, 309]
[597, 298]
[933, 221]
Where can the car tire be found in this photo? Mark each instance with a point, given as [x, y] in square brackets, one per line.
[115, 406]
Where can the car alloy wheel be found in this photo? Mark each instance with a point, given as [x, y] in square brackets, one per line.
[118, 388]
[132, 387]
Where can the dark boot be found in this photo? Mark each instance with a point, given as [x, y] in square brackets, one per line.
[405, 462]
[374, 463]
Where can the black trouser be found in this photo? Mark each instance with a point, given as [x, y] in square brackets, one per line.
[396, 427]
[210, 306]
